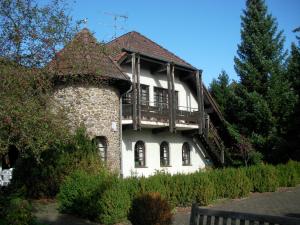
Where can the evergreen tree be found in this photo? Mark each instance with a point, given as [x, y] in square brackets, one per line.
[260, 54]
[219, 88]
[292, 138]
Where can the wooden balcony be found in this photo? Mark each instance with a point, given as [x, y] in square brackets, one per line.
[160, 113]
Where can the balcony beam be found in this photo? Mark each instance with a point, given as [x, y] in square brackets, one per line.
[159, 69]
[200, 100]
[170, 99]
[174, 109]
[134, 92]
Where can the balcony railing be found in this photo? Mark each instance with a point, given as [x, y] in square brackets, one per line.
[159, 112]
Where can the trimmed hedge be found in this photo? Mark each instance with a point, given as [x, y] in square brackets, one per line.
[106, 199]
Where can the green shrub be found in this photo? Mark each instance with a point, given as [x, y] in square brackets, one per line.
[183, 189]
[43, 178]
[287, 175]
[232, 183]
[19, 212]
[114, 205]
[204, 188]
[81, 193]
[264, 178]
[150, 209]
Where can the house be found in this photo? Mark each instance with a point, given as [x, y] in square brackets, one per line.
[146, 108]
[167, 117]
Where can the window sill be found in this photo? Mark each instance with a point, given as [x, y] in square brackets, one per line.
[140, 167]
[165, 166]
[186, 164]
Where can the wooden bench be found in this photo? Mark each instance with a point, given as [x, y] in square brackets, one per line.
[200, 216]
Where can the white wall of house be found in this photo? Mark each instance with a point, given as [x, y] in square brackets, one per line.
[186, 100]
[152, 148]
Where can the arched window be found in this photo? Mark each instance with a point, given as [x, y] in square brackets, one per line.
[139, 154]
[186, 154]
[101, 143]
[164, 154]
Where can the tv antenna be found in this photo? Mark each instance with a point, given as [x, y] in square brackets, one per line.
[117, 18]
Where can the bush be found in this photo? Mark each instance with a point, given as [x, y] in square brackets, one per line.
[183, 189]
[105, 198]
[150, 209]
[287, 175]
[204, 188]
[43, 178]
[264, 178]
[114, 205]
[19, 212]
[231, 183]
[81, 193]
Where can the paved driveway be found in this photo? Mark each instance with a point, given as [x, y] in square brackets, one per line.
[285, 202]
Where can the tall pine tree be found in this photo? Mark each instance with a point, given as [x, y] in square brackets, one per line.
[260, 54]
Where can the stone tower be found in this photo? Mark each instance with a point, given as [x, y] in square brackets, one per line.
[89, 85]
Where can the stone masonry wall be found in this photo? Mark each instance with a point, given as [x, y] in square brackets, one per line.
[95, 107]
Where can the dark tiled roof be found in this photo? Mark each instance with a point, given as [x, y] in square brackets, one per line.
[136, 42]
[85, 56]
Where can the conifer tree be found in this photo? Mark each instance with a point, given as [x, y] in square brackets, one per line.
[260, 54]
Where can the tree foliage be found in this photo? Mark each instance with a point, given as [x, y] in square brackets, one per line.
[260, 54]
[261, 105]
[31, 34]
[29, 37]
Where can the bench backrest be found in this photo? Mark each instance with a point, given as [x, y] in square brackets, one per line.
[200, 216]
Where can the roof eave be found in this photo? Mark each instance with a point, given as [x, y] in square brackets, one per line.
[160, 59]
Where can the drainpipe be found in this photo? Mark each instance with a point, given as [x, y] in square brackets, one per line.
[120, 131]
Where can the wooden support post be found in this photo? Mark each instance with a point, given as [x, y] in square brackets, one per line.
[202, 97]
[206, 125]
[200, 100]
[170, 99]
[174, 109]
[138, 71]
[134, 92]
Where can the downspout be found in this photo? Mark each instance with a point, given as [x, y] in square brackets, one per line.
[120, 130]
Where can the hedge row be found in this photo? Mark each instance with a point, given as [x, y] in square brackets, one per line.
[107, 199]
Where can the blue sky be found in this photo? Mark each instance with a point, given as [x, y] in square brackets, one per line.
[203, 32]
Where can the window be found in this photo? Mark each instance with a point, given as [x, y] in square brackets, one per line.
[101, 144]
[161, 98]
[139, 154]
[164, 154]
[126, 99]
[186, 154]
[144, 89]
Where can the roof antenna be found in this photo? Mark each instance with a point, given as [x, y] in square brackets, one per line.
[116, 18]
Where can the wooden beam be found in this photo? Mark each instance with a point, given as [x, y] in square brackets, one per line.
[188, 77]
[199, 100]
[170, 99]
[159, 69]
[138, 71]
[173, 96]
[206, 119]
[129, 60]
[134, 92]
[202, 98]
[209, 110]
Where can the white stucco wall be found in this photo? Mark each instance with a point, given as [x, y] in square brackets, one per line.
[152, 146]
[185, 97]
